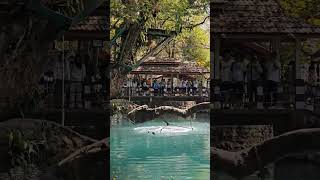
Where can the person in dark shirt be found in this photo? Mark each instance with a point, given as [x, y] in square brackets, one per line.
[162, 86]
[254, 75]
[169, 86]
[156, 87]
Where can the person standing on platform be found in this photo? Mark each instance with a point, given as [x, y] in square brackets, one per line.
[78, 73]
[149, 85]
[134, 86]
[181, 85]
[188, 84]
[145, 87]
[311, 82]
[178, 85]
[162, 86]
[58, 72]
[195, 87]
[272, 67]
[254, 75]
[156, 87]
[238, 73]
[169, 86]
[226, 78]
[184, 86]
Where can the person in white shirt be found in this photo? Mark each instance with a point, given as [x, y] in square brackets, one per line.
[238, 70]
[226, 77]
[226, 74]
[169, 86]
[254, 75]
[134, 86]
[272, 70]
[78, 73]
[177, 85]
[184, 86]
[195, 86]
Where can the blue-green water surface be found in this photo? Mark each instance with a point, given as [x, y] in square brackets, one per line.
[154, 151]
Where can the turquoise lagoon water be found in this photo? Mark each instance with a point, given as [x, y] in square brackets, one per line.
[154, 151]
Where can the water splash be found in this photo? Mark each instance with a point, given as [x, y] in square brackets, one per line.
[164, 130]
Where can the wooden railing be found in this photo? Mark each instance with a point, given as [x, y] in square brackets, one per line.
[89, 95]
[176, 91]
[285, 97]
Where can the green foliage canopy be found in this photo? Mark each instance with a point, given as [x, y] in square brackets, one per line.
[189, 18]
[305, 9]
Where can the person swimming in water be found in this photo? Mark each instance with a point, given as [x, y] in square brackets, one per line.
[166, 123]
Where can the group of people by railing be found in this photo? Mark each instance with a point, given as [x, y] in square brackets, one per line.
[78, 84]
[241, 77]
[164, 87]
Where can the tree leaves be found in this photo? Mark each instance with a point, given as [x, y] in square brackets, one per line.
[305, 9]
[171, 15]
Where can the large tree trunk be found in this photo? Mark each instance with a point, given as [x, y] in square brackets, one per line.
[124, 59]
[117, 81]
[23, 55]
[247, 161]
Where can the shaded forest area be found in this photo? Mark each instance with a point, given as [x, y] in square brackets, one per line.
[31, 148]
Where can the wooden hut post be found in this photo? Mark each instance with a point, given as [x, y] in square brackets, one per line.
[276, 49]
[215, 72]
[300, 89]
[151, 93]
[178, 85]
[200, 85]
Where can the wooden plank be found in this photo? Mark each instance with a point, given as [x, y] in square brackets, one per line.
[153, 51]
[167, 98]
[168, 72]
[283, 120]
[160, 32]
[85, 35]
[266, 36]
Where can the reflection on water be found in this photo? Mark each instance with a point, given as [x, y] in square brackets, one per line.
[155, 151]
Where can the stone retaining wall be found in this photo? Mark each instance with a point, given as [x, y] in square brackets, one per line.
[235, 138]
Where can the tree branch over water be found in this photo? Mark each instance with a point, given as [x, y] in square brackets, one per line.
[144, 113]
[247, 161]
[98, 146]
[198, 24]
